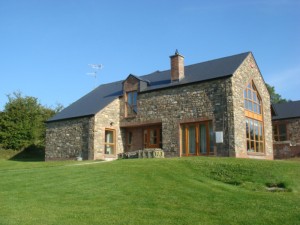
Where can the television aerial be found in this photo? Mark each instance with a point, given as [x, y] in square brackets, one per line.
[96, 68]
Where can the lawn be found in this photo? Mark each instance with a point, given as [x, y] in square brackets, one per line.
[198, 190]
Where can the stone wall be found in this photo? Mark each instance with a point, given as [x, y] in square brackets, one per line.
[109, 118]
[246, 73]
[69, 139]
[190, 103]
[293, 130]
[291, 147]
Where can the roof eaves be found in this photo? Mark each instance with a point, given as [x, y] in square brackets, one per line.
[69, 118]
[178, 84]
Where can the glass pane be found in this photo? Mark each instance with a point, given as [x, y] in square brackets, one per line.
[251, 130]
[245, 93]
[109, 136]
[160, 138]
[183, 141]
[252, 146]
[261, 135]
[153, 136]
[246, 104]
[192, 139]
[257, 147]
[129, 98]
[248, 146]
[129, 141]
[261, 147]
[256, 130]
[250, 106]
[254, 107]
[203, 144]
[254, 97]
[258, 109]
[247, 129]
[211, 138]
[109, 149]
[250, 94]
[145, 139]
[134, 98]
[282, 132]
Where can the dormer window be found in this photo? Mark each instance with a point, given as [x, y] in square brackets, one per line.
[131, 103]
[131, 87]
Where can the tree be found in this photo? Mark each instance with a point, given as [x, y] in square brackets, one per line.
[275, 97]
[22, 122]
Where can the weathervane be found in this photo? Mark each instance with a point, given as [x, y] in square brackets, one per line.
[97, 68]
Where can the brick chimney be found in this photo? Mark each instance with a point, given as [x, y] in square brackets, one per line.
[177, 67]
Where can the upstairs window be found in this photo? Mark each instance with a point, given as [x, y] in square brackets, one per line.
[252, 99]
[131, 103]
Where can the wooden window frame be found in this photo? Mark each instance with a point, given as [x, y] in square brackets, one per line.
[255, 117]
[147, 138]
[250, 112]
[131, 109]
[277, 136]
[254, 141]
[113, 144]
[185, 126]
[129, 135]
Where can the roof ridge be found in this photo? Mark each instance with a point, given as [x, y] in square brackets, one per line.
[194, 64]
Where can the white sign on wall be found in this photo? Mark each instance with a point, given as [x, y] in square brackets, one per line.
[219, 136]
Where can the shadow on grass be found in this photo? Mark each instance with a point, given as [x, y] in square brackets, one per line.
[32, 153]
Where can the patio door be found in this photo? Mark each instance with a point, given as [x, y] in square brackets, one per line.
[196, 138]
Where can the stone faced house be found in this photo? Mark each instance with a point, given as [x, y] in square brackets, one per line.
[286, 129]
[215, 108]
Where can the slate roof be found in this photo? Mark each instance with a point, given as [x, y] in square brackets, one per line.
[286, 110]
[97, 99]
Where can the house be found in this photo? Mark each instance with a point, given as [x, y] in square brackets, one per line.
[286, 129]
[216, 108]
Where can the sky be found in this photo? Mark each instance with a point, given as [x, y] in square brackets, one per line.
[46, 46]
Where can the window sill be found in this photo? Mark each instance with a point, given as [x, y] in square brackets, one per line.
[256, 153]
[110, 155]
[130, 117]
[281, 142]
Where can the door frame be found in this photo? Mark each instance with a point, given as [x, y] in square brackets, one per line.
[147, 136]
[185, 126]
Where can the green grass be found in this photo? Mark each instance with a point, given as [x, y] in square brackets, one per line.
[197, 190]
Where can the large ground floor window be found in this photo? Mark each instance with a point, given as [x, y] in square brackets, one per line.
[280, 132]
[110, 142]
[255, 136]
[197, 139]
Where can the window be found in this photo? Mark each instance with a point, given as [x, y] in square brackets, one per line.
[254, 119]
[129, 140]
[254, 135]
[153, 137]
[197, 138]
[252, 100]
[280, 132]
[131, 103]
[109, 145]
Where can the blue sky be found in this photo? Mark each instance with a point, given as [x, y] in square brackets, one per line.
[46, 45]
